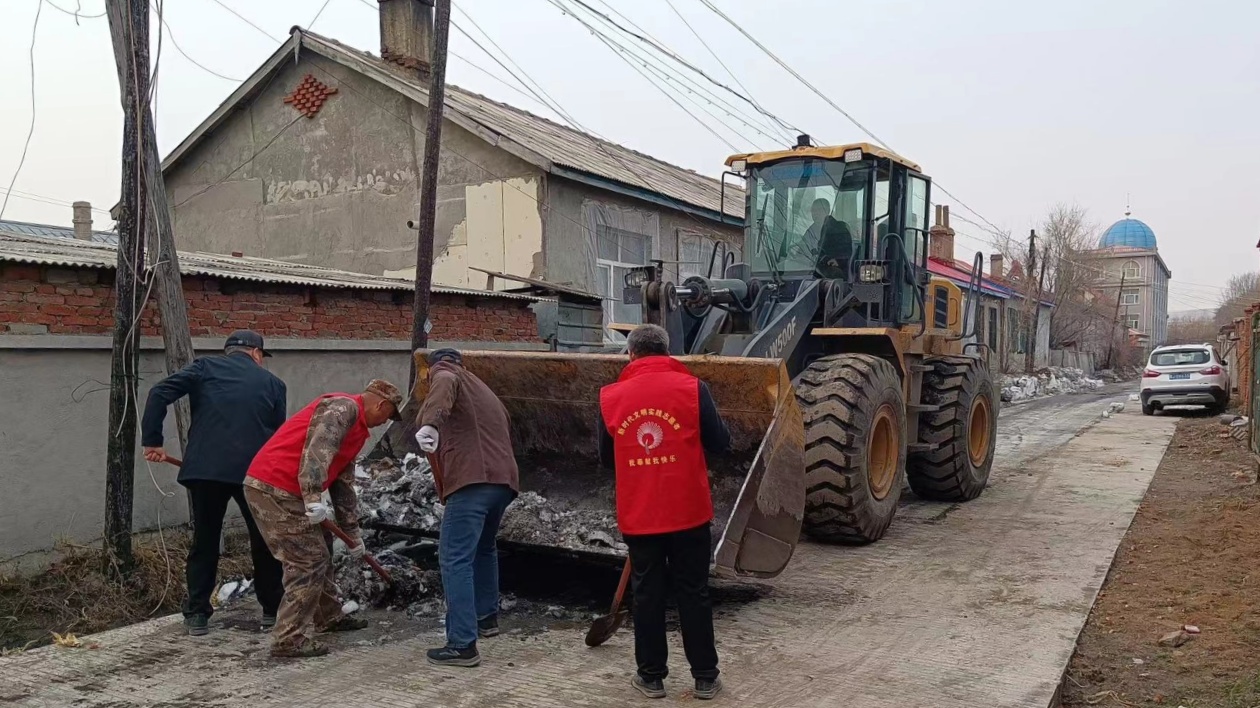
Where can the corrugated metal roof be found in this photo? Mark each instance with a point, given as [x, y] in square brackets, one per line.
[43, 250]
[566, 146]
[533, 138]
[29, 229]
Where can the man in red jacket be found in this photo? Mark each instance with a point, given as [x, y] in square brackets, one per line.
[312, 453]
[656, 423]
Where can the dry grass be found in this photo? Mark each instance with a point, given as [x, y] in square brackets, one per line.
[76, 595]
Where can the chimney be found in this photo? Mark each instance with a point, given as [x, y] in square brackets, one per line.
[82, 220]
[407, 34]
[996, 266]
[941, 237]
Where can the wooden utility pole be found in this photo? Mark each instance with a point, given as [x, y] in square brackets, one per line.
[1115, 320]
[129, 25]
[428, 182]
[172, 306]
[1030, 305]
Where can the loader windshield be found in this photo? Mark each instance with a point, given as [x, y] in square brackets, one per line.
[806, 216]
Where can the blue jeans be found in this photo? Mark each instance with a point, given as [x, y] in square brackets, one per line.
[469, 559]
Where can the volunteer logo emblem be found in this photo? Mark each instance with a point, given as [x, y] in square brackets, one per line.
[649, 436]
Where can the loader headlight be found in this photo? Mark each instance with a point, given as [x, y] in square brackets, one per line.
[853, 155]
[636, 277]
[871, 273]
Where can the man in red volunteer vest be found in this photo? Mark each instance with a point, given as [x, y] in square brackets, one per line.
[312, 453]
[656, 423]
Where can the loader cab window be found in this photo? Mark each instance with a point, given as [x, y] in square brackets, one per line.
[805, 216]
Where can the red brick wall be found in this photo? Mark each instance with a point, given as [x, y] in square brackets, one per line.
[55, 300]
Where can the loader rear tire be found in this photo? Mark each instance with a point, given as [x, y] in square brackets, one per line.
[963, 432]
[855, 447]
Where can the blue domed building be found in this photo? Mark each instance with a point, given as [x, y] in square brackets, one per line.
[1128, 253]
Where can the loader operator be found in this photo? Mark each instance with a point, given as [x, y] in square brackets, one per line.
[833, 238]
[311, 453]
[236, 405]
[656, 423]
[464, 427]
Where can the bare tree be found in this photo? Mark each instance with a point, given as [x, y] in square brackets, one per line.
[1241, 291]
[1195, 329]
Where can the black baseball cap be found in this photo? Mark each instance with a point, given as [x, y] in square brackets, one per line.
[246, 338]
[445, 354]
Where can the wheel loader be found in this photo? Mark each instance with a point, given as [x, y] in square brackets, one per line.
[835, 357]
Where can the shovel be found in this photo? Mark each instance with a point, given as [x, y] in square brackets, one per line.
[330, 527]
[604, 627]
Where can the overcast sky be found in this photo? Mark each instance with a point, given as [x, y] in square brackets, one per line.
[1011, 106]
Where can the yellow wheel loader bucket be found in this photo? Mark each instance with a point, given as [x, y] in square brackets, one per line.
[758, 487]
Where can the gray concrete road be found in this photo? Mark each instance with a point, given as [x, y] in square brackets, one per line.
[972, 605]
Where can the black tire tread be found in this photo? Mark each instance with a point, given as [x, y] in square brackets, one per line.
[945, 473]
[838, 394]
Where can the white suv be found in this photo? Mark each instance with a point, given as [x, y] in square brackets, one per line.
[1185, 375]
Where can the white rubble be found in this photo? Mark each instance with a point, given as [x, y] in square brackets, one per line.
[1051, 381]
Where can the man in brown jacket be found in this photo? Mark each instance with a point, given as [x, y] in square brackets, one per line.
[464, 426]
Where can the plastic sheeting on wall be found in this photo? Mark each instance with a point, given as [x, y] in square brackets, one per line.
[617, 238]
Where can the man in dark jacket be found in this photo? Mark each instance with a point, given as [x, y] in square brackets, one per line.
[464, 427]
[236, 406]
[655, 425]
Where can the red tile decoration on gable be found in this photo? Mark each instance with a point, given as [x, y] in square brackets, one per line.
[309, 96]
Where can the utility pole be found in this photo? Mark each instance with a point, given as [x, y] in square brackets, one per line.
[1030, 305]
[1036, 313]
[428, 183]
[176, 339]
[1115, 320]
[129, 25]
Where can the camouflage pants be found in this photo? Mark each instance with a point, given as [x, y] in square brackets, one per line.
[310, 596]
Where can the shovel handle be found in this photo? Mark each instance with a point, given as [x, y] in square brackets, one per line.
[332, 528]
[368, 558]
[621, 588]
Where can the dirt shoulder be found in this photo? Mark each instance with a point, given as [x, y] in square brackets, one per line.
[1189, 558]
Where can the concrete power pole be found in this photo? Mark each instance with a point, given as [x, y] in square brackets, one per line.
[428, 183]
[129, 25]
[1031, 305]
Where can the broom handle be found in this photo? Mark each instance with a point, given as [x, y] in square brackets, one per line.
[330, 527]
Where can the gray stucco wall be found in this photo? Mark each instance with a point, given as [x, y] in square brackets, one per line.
[53, 427]
[567, 235]
[335, 190]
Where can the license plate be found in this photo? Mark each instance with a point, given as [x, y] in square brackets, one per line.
[1178, 377]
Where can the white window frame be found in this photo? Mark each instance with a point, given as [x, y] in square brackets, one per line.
[1130, 297]
[605, 269]
[1133, 322]
[1131, 270]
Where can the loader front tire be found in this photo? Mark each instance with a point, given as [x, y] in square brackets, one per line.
[962, 433]
[855, 447]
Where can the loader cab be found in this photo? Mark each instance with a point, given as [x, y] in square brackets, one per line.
[855, 215]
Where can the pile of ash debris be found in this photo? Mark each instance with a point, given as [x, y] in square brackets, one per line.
[396, 496]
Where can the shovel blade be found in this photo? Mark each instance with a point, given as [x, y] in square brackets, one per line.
[603, 628]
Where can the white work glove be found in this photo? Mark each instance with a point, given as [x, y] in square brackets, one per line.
[358, 549]
[427, 438]
[318, 513]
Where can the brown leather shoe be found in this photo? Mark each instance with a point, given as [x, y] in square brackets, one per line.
[345, 623]
[299, 651]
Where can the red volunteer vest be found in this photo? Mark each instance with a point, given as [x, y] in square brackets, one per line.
[278, 461]
[653, 415]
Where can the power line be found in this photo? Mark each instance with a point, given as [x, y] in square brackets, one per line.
[185, 54]
[31, 196]
[246, 20]
[31, 132]
[686, 87]
[315, 19]
[75, 13]
[789, 129]
[655, 44]
[709, 4]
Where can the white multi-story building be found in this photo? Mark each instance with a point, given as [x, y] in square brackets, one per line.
[1134, 271]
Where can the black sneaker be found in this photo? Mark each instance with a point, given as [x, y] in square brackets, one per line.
[488, 627]
[450, 656]
[654, 688]
[268, 621]
[706, 689]
[197, 625]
